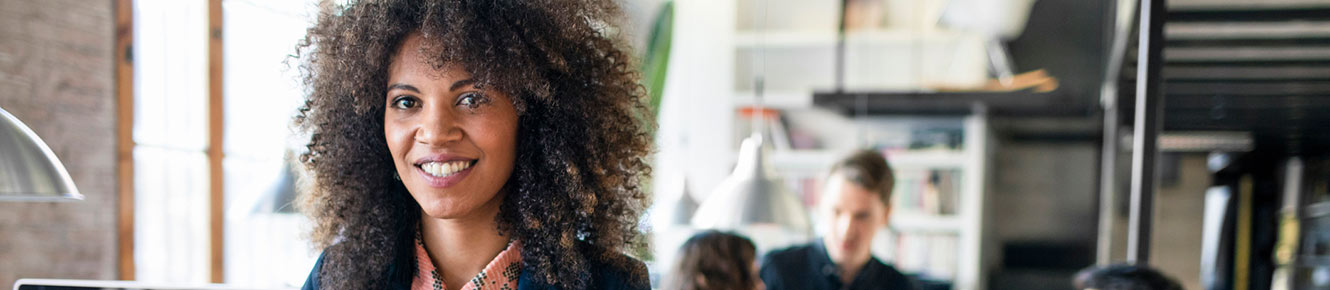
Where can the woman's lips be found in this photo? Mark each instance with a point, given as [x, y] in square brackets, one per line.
[445, 181]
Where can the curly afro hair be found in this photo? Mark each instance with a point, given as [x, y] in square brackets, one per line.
[576, 190]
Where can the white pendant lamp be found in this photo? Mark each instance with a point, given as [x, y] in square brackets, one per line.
[752, 197]
[29, 171]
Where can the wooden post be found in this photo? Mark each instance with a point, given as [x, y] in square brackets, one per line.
[217, 200]
[124, 96]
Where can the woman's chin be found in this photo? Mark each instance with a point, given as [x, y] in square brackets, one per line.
[443, 210]
[446, 207]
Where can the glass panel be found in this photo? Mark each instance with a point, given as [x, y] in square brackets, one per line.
[262, 87]
[170, 215]
[170, 129]
[265, 243]
[171, 74]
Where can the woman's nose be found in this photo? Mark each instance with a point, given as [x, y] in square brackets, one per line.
[438, 127]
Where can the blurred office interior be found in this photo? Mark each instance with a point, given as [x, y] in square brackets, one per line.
[1030, 139]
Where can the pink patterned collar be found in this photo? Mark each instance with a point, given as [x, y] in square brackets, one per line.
[500, 274]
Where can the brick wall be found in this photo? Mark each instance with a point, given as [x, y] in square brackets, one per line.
[57, 75]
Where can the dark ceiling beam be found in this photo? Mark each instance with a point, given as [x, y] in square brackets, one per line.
[1269, 128]
[1249, 42]
[1207, 102]
[1234, 88]
[1244, 73]
[949, 103]
[1259, 14]
[1186, 5]
[1269, 113]
[1257, 88]
[1242, 62]
[1301, 128]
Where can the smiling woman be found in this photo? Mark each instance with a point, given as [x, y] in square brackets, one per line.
[465, 145]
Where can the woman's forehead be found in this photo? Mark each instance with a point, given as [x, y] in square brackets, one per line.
[411, 64]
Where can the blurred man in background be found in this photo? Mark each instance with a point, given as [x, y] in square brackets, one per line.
[855, 203]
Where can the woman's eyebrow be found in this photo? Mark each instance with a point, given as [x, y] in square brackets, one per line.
[401, 86]
[461, 83]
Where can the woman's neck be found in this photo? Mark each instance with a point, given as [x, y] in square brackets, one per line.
[461, 247]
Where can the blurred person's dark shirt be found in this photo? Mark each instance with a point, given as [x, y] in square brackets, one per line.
[808, 267]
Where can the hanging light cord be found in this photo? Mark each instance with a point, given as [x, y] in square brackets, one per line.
[759, 69]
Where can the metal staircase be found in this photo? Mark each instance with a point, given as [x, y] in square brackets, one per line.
[1260, 66]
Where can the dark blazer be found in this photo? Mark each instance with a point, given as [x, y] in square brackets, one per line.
[604, 275]
[808, 267]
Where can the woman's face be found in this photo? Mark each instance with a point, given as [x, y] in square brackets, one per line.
[453, 143]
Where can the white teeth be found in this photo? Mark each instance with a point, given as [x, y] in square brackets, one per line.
[443, 169]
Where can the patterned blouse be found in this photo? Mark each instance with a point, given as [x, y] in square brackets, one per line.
[500, 274]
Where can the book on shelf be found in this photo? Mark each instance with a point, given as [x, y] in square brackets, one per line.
[926, 191]
[947, 187]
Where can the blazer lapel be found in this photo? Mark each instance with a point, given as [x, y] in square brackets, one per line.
[525, 282]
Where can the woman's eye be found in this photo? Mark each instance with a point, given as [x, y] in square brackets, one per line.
[405, 103]
[472, 100]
